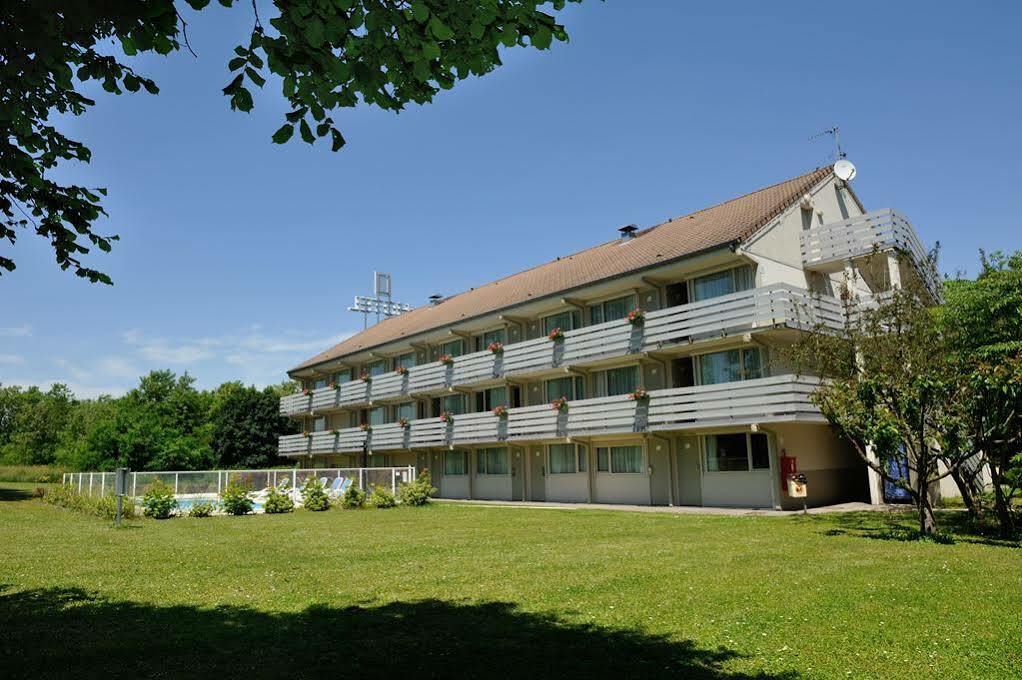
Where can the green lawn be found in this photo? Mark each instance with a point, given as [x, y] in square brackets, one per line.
[464, 591]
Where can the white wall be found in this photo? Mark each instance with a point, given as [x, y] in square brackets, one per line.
[742, 489]
[453, 486]
[567, 488]
[630, 488]
[492, 487]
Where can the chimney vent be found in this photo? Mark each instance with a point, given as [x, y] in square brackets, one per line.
[435, 299]
[628, 231]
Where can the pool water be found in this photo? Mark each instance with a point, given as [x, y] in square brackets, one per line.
[185, 504]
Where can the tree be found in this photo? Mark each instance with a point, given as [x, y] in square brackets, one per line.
[982, 321]
[888, 388]
[326, 56]
[32, 422]
[246, 424]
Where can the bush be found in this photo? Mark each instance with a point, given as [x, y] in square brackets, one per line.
[277, 503]
[353, 498]
[158, 501]
[418, 491]
[234, 499]
[381, 497]
[314, 496]
[39, 492]
[203, 509]
[67, 496]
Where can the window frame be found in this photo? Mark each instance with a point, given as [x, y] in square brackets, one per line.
[601, 386]
[483, 461]
[466, 466]
[643, 463]
[442, 347]
[743, 372]
[371, 371]
[398, 407]
[602, 306]
[577, 456]
[401, 360]
[733, 270]
[482, 342]
[750, 466]
[573, 313]
[575, 381]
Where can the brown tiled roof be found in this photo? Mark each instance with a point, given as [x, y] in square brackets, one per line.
[721, 224]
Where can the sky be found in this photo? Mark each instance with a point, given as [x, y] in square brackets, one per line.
[238, 258]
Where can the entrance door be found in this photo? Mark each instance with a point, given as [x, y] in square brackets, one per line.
[690, 488]
[517, 473]
[537, 472]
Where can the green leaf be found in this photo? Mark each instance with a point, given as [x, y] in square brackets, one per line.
[338, 140]
[234, 84]
[440, 30]
[242, 100]
[314, 32]
[150, 86]
[283, 134]
[420, 12]
[236, 63]
[128, 45]
[541, 38]
[255, 77]
[306, 132]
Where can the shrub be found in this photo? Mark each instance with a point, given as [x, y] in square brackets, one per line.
[39, 492]
[314, 496]
[381, 497]
[203, 509]
[67, 497]
[353, 498]
[234, 499]
[418, 491]
[158, 501]
[277, 503]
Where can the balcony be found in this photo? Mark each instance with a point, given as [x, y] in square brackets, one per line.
[776, 306]
[829, 246]
[766, 400]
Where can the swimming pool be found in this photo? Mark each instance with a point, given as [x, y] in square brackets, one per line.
[185, 503]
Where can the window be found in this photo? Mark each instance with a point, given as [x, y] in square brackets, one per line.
[489, 399]
[583, 458]
[455, 463]
[491, 461]
[615, 381]
[404, 361]
[342, 377]
[319, 384]
[722, 283]
[319, 424]
[378, 415]
[619, 459]
[455, 348]
[566, 321]
[377, 367]
[739, 452]
[499, 335]
[611, 310]
[572, 388]
[454, 404]
[730, 365]
[562, 459]
[406, 410]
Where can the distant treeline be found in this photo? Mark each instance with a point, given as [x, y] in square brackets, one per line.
[163, 424]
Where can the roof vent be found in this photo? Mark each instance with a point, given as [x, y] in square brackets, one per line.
[435, 299]
[628, 231]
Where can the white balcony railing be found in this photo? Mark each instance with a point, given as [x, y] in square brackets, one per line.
[759, 308]
[775, 399]
[857, 237]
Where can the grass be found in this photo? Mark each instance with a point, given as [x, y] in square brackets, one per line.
[30, 473]
[465, 591]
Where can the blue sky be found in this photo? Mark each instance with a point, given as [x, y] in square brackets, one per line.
[238, 257]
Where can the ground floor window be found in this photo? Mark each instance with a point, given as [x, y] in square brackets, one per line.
[567, 459]
[619, 459]
[455, 463]
[492, 461]
[738, 452]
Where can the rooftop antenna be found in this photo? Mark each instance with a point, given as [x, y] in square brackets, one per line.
[836, 134]
[380, 303]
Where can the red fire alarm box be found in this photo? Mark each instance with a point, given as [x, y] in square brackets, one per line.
[789, 466]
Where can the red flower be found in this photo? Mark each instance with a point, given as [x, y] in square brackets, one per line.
[560, 404]
[556, 334]
[495, 348]
[446, 359]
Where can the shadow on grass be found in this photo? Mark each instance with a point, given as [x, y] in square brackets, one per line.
[954, 527]
[7, 494]
[71, 633]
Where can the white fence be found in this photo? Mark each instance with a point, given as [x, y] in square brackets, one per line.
[209, 483]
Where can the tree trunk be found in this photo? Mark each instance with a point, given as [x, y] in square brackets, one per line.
[965, 488]
[927, 523]
[1004, 518]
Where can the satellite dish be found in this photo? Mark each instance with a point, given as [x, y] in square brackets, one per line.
[844, 170]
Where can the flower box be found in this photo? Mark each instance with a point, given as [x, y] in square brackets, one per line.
[640, 394]
[555, 335]
[366, 427]
[305, 391]
[560, 404]
[495, 348]
[447, 417]
[500, 412]
[637, 317]
[365, 377]
[446, 359]
[404, 423]
[401, 370]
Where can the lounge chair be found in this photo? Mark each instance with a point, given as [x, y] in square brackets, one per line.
[335, 487]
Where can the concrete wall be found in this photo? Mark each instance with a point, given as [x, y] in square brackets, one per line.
[632, 489]
[491, 487]
[738, 489]
[567, 488]
[834, 471]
